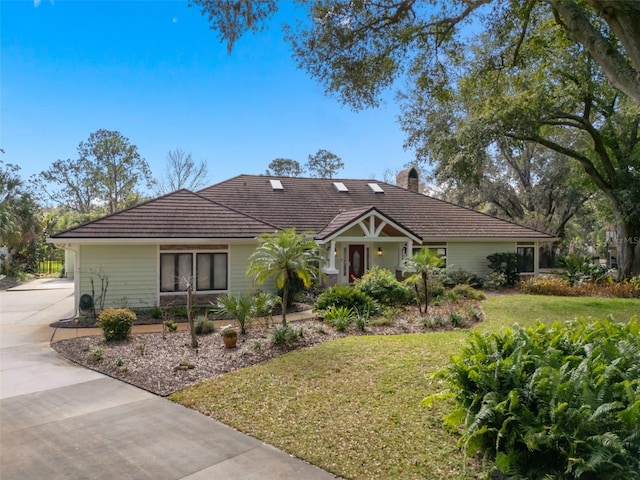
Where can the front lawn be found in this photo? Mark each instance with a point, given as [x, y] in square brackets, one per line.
[504, 310]
[352, 406]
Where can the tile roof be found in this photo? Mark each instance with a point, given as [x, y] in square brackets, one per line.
[247, 205]
[181, 214]
[312, 204]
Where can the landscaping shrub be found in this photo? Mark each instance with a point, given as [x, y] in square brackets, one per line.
[451, 296]
[507, 264]
[204, 326]
[467, 291]
[431, 322]
[283, 336]
[381, 285]
[546, 286]
[170, 325]
[495, 281]
[361, 319]
[178, 311]
[116, 323]
[561, 287]
[345, 296]
[624, 289]
[461, 277]
[155, 312]
[457, 319]
[559, 401]
[579, 269]
[435, 287]
[339, 317]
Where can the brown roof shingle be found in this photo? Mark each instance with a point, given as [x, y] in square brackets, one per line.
[247, 206]
[313, 203]
[181, 214]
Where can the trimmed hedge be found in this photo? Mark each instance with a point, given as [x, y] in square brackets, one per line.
[116, 323]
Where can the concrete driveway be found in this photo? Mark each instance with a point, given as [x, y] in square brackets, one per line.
[61, 421]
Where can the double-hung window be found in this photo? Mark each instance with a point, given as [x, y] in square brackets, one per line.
[208, 269]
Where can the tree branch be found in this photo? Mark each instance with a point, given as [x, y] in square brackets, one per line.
[614, 64]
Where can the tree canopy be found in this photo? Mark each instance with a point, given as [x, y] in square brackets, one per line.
[324, 164]
[560, 74]
[19, 222]
[106, 176]
[284, 167]
[181, 171]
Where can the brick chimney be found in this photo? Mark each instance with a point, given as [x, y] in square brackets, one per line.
[408, 179]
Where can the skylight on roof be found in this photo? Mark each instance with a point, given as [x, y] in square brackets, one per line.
[341, 187]
[276, 184]
[375, 187]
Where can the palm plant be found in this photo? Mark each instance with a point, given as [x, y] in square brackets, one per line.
[422, 264]
[284, 256]
[240, 307]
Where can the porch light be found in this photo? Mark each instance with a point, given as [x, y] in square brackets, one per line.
[335, 252]
[379, 251]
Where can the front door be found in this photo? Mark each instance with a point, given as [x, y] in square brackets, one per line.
[356, 262]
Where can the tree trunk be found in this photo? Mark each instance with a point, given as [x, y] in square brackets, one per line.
[425, 279]
[285, 299]
[628, 250]
[192, 327]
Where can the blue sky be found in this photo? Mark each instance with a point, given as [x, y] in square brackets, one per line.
[155, 72]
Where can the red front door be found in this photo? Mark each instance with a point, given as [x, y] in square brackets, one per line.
[356, 262]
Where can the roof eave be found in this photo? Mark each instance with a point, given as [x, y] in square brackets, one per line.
[149, 240]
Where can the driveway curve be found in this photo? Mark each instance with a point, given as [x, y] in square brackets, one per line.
[61, 421]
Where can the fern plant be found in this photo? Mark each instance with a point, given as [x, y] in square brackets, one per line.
[560, 401]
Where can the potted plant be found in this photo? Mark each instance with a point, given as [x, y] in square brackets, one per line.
[229, 336]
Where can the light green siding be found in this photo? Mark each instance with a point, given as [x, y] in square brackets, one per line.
[390, 258]
[69, 263]
[238, 280]
[130, 269]
[472, 256]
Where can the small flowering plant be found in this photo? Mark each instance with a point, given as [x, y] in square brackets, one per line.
[228, 331]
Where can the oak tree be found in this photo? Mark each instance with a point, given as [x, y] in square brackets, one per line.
[542, 70]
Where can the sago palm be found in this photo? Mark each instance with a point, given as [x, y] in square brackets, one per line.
[284, 256]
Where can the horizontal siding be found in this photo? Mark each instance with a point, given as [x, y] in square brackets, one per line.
[390, 258]
[472, 256]
[239, 282]
[130, 269]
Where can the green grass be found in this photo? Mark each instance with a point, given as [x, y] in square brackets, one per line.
[505, 310]
[352, 406]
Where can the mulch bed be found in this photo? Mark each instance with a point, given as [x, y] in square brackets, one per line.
[163, 363]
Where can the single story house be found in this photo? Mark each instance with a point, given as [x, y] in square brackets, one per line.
[148, 251]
